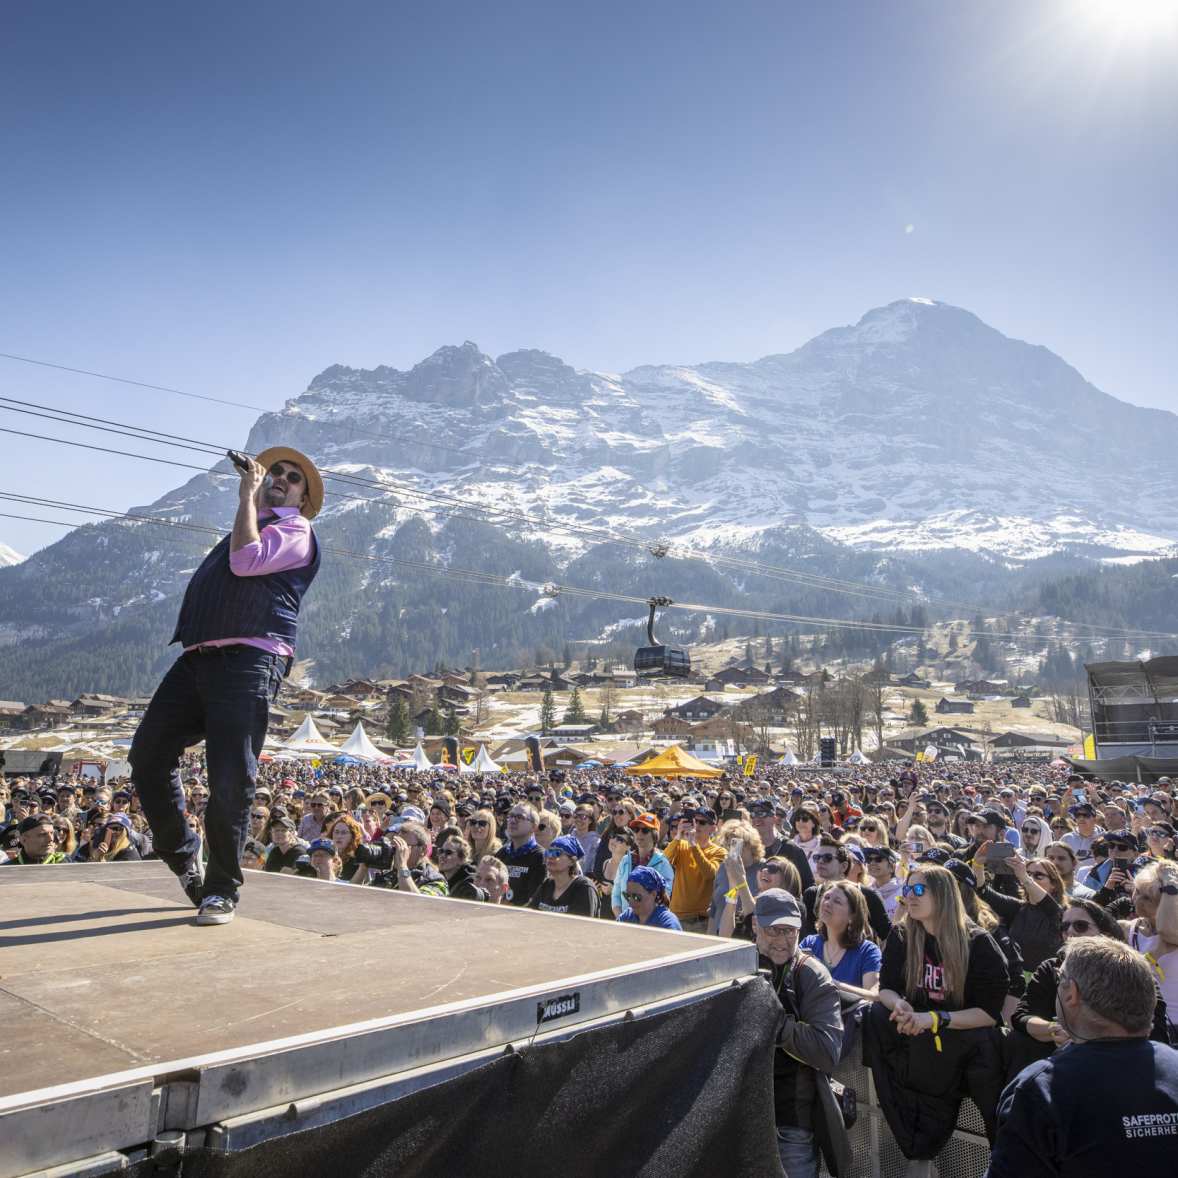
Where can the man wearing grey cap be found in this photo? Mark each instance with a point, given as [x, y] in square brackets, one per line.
[811, 1035]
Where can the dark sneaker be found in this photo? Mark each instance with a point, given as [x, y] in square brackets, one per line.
[215, 910]
[192, 879]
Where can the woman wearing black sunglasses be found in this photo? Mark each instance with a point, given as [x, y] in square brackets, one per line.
[1037, 1033]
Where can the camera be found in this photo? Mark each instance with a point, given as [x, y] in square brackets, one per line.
[378, 855]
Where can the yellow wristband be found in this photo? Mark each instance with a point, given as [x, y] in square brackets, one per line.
[731, 893]
[936, 1029]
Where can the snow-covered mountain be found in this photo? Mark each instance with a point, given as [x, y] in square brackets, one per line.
[919, 450]
[9, 556]
[920, 428]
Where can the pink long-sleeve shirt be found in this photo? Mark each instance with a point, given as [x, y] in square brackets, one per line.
[283, 543]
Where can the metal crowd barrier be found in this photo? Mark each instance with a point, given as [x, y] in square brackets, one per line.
[874, 1150]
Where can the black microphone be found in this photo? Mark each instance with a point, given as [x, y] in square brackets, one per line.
[238, 460]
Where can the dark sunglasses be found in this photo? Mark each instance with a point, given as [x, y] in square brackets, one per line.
[292, 474]
[619, 813]
[917, 889]
[704, 822]
[445, 853]
[1080, 926]
[259, 814]
[632, 897]
[478, 822]
[876, 858]
[380, 804]
[827, 857]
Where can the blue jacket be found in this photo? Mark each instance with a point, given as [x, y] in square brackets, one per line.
[658, 861]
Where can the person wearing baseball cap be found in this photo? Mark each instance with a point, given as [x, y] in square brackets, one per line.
[811, 1035]
[237, 626]
[646, 854]
[38, 843]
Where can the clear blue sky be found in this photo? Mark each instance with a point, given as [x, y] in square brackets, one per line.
[230, 196]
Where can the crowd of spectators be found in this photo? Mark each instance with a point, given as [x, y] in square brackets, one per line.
[924, 915]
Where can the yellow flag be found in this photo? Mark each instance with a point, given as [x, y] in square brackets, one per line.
[468, 755]
[920, 755]
[750, 765]
[1090, 747]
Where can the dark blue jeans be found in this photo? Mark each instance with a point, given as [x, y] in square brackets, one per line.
[223, 695]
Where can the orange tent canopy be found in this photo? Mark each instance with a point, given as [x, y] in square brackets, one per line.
[674, 762]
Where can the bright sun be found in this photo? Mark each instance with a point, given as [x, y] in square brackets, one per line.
[1137, 19]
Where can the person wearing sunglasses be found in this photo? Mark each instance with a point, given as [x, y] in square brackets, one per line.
[646, 901]
[1037, 1030]
[1109, 1103]
[1036, 835]
[522, 854]
[454, 863]
[695, 859]
[482, 832]
[237, 626]
[809, 1039]
[1153, 929]
[1160, 841]
[832, 863]
[1033, 916]
[645, 828]
[881, 863]
[565, 890]
[944, 977]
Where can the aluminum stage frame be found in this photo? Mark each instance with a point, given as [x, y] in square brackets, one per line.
[129, 1030]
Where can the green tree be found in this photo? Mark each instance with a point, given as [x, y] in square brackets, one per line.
[575, 712]
[433, 722]
[919, 713]
[397, 726]
[547, 712]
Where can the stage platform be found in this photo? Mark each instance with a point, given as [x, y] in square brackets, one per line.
[128, 1030]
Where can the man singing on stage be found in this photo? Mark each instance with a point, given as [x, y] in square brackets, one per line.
[237, 626]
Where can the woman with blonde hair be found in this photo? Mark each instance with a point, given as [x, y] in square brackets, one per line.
[929, 1039]
[1153, 931]
[737, 875]
[873, 832]
[110, 842]
[547, 828]
[483, 835]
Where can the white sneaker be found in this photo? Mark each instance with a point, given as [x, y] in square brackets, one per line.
[215, 910]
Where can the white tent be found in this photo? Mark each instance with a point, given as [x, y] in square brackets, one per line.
[358, 745]
[787, 758]
[308, 738]
[483, 762]
[420, 760]
[857, 758]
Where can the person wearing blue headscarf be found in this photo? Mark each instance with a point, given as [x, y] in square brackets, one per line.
[565, 889]
[646, 895]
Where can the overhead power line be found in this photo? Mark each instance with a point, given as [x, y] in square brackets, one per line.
[494, 580]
